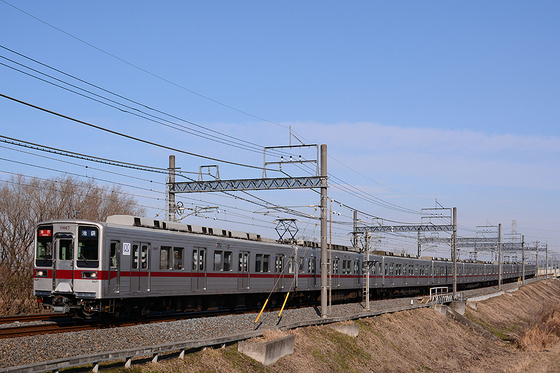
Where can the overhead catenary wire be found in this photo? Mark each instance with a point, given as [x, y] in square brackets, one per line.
[129, 136]
[112, 162]
[229, 140]
[144, 70]
[125, 98]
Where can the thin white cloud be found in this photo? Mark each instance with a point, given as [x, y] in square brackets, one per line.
[452, 156]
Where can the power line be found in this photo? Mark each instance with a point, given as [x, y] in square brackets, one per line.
[66, 153]
[144, 70]
[129, 136]
[238, 143]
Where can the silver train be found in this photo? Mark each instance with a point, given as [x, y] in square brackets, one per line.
[131, 265]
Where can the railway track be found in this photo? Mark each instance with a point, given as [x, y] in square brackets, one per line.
[64, 323]
[33, 317]
[36, 329]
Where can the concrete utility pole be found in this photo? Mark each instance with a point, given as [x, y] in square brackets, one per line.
[366, 252]
[354, 234]
[330, 257]
[324, 272]
[171, 214]
[546, 254]
[419, 244]
[523, 259]
[454, 248]
[500, 256]
[537, 258]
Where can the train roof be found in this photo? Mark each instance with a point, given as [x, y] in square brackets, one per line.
[135, 221]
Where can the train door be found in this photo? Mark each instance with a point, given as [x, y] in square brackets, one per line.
[384, 271]
[140, 276]
[63, 266]
[114, 267]
[198, 269]
[243, 274]
[312, 270]
[335, 273]
[357, 275]
[279, 271]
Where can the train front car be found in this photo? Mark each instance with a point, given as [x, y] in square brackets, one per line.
[67, 268]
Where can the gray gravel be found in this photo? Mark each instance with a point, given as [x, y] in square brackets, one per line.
[27, 350]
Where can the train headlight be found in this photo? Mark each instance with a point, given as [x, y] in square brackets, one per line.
[41, 273]
[90, 275]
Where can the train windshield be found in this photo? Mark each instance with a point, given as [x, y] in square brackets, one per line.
[44, 249]
[88, 247]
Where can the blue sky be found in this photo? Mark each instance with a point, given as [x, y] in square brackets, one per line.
[416, 100]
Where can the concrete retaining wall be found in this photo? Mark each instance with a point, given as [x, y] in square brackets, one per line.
[268, 352]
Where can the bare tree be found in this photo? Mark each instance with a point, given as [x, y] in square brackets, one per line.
[24, 202]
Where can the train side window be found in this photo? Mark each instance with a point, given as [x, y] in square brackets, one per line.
[335, 266]
[164, 262]
[217, 260]
[290, 265]
[227, 261]
[113, 254]
[279, 264]
[265, 263]
[301, 267]
[386, 269]
[258, 262]
[198, 259]
[178, 258]
[144, 256]
[135, 256]
[243, 262]
[88, 247]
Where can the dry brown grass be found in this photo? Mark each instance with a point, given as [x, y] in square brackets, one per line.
[544, 334]
[269, 335]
